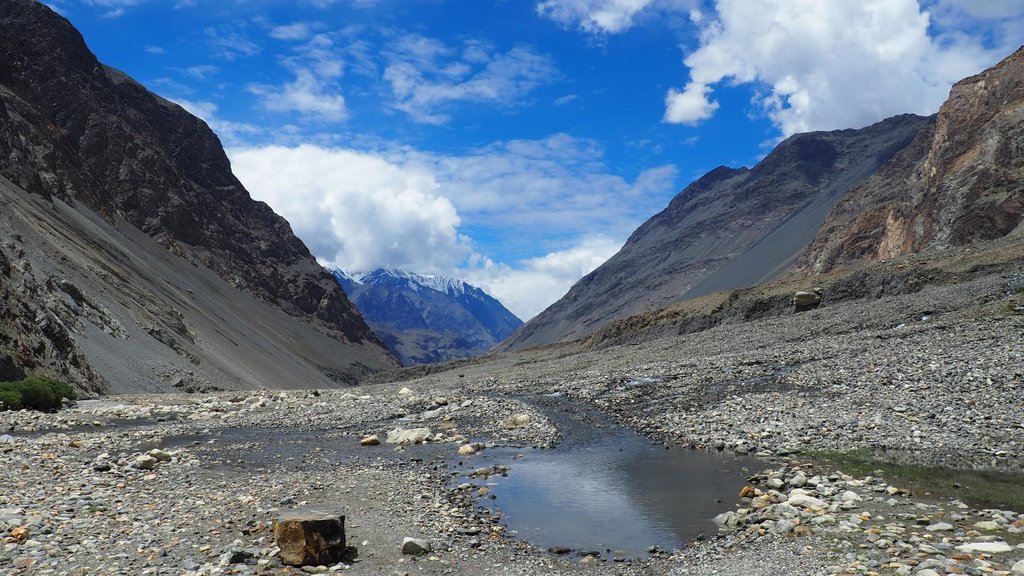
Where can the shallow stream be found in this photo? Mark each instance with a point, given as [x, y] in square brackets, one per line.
[604, 489]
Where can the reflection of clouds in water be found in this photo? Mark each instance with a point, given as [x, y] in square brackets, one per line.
[580, 500]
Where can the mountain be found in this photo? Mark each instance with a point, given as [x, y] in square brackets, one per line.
[732, 228]
[961, 181]
[135, 259]
[428, 318]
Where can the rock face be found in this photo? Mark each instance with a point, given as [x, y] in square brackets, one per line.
[310, 536]
[960, 181]
[97, 174]
[425, 318]
[732, 228]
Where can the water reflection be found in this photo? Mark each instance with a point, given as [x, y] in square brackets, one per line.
[615, 492]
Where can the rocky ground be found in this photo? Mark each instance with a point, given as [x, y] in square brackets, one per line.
[934, 378]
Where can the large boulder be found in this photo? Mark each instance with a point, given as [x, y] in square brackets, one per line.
[310, 536]
[804, 301]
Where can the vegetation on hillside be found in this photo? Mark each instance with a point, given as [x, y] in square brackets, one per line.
[34, 393]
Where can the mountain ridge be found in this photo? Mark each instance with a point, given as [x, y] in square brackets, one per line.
[732, 227]
[428, 318]
[90, 157]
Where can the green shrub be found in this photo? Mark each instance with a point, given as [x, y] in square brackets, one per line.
[10, 399]
[35, 393]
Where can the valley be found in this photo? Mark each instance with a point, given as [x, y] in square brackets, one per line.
[811, 365]
[931, 377]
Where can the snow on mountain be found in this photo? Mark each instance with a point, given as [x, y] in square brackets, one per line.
[428, 317]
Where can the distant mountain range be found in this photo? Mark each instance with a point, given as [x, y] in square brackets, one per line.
[428, 318]
[819, 201]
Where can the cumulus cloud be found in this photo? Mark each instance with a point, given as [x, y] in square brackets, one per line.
[414, 210]
[425, 75]
[356, 210]
[533, 284]
[824, 65]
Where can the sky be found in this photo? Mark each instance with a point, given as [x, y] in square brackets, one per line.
[518, 143]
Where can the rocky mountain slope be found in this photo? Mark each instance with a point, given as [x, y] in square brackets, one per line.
[425, 318]
[121, 213]
[961, 181]
[731, 228]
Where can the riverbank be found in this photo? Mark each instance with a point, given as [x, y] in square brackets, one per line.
[932, 378]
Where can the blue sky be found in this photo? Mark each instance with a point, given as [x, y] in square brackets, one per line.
[517, 143]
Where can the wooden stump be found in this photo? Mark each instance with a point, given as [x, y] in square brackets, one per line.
[310, 536]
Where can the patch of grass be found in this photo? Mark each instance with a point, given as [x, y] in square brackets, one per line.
[980, 488]
[35, 393]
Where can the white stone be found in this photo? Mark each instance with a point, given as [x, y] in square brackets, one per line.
[985, 547]
[145, 462]
[940, 527]
[1018, 568]
[415, 546]
[408, 436]
[851, 496]
[799, 497]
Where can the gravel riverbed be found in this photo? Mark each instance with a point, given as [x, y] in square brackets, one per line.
[190, 484]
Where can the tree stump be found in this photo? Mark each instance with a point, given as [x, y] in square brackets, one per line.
[310, 536]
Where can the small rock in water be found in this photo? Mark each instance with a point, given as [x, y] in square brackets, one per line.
[415, 546]
[371, 440]
[467, 450]
[160, 455]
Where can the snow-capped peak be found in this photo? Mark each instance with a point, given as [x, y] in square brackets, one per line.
[436, 282]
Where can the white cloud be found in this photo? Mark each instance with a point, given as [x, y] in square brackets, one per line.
[294, 31]
[425, 75]
[354, 209]
[315, 93]
[535, 283]
[230, 44]
[414, 210]
[824, 65]
[307, 95]
[199, 72]
[608, 16]
[689, 106]
[545, 190]
[154, 49]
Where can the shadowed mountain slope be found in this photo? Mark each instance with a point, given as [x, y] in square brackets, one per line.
[731, 228]
[113, 180]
